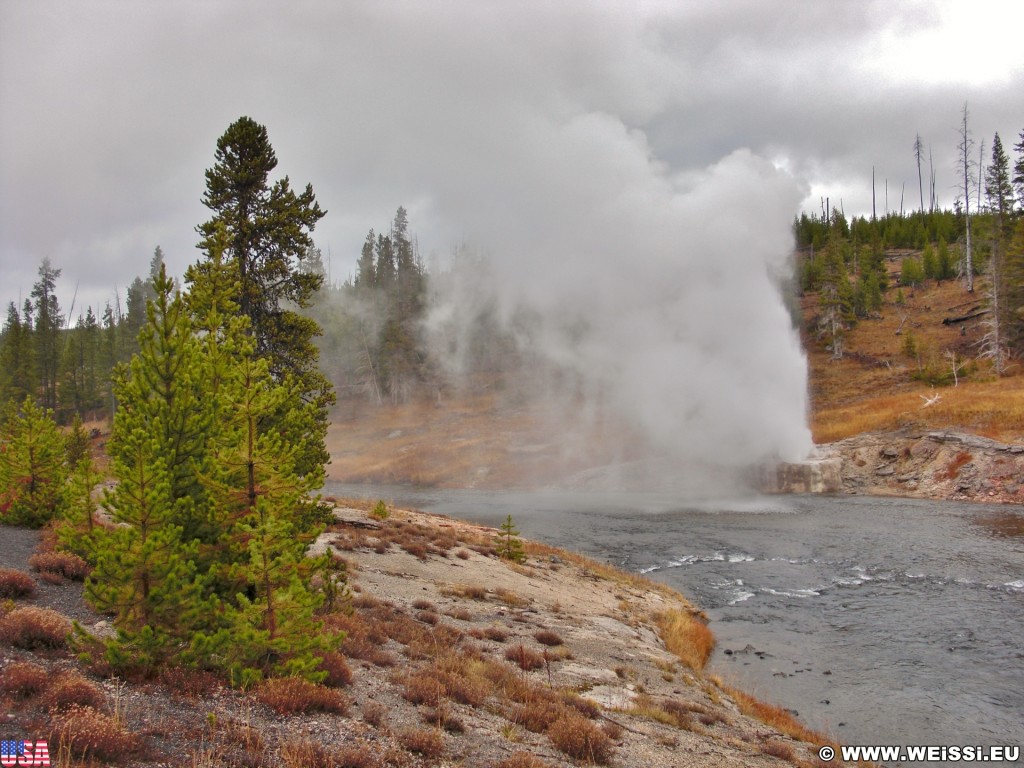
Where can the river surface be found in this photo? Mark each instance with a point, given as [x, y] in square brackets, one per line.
[879, 621]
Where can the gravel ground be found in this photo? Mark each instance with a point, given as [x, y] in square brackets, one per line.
[17, 545]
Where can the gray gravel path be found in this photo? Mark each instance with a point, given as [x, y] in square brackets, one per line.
[17, 545]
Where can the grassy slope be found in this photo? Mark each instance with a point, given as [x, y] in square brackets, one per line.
[873, 389]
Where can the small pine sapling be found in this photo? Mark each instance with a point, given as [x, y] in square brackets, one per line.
[507, 542]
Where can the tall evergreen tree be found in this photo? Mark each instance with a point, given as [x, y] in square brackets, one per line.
[48, 324]
[1018, 172]
[268, 230]
[16, 358]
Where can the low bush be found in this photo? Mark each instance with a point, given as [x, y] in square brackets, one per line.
[65, 564]
[297, 753]
[778, 749]
[339, 674]
[23, 679]
[71, 689]
[525, 658]
[359, 755]
[34, 628]
[292, 695]
[548, 637]
[16, 584]
[84, 731]
[427, 742]
[581, 739]
[188, 682]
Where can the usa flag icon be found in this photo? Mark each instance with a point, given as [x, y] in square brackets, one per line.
[24, 753]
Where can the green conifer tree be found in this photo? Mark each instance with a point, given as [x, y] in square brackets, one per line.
[507, 543]
[33, 470]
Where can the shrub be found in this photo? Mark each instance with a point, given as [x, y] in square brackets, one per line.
[380, 511]
[84, 731]
[525, 658]
[15, 583]
[539, 715]
[778, 749]
[35, 628]
[422, 741]
[548, 637]
[360, 755]
[339, 674]
[374, 713]
[72, 689]
[291, 695]
[65, 564]
[23, 679]
[580, 739]
[305, 754]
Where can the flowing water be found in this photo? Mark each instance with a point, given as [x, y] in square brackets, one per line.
[880, 621]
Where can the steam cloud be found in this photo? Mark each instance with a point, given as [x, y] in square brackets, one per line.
[661, 293]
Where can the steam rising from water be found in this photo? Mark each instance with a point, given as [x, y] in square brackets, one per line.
[660, 294]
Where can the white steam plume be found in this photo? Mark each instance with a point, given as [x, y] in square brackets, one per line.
[661, 293]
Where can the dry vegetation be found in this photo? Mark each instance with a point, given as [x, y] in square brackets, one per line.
[873, 388]
[433, 671]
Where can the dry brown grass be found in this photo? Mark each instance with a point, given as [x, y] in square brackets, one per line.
[292, 695]
[339, 674]
[64, 564]
[686, 635]
[23, 679]
[34, 628]
[84, 732]
[779, 749]
[469, 591]
[873, 389]
[580, 739]
[301, 753]
[525, 658]
[521, 760]
[16, 584]
[359, 755]
[70, 689]
[548, 637]
[428, 742]
[774, 716]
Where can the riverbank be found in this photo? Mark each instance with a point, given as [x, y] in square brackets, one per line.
[939, 465]
[454, 657]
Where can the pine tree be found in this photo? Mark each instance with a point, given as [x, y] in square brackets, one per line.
[268, 231]
[16, 358]
[836, 296]
[48, 324]
[507, 542]
[1018, 172]
[33, 470]
[257, 494]
[146, 570]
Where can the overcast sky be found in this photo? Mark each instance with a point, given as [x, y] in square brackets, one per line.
[469, 114]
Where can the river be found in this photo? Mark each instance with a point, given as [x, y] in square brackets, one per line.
[879, 621]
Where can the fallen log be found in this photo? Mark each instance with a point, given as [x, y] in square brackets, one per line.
[964, 318]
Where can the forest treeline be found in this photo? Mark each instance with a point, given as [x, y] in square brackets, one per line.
[845, 261]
